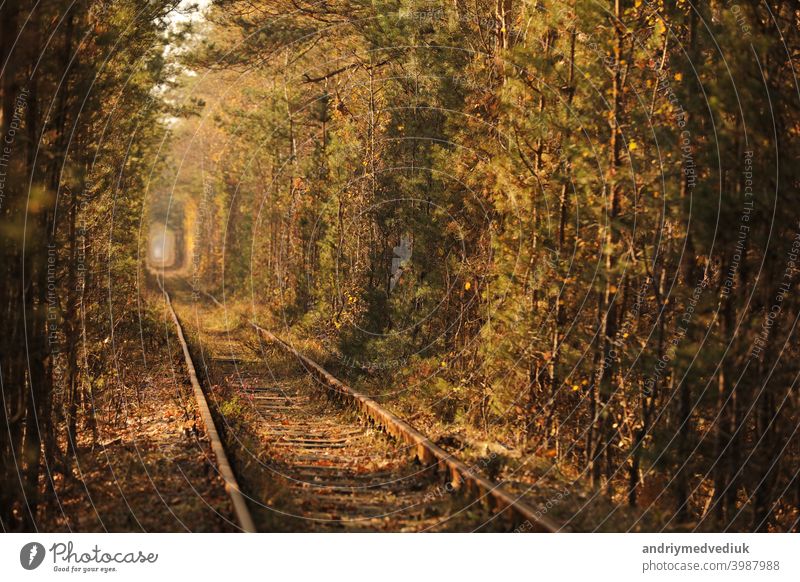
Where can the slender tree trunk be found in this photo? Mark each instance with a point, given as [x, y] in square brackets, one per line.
[607, 368]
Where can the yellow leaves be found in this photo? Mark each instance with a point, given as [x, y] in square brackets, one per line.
[467, 286]
[39, 199]
[443, 364]
[633, 146]
[612, 288]
[678, 76]
[583, 384]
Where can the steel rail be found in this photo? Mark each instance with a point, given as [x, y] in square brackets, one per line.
[240, 508]
[428, 452]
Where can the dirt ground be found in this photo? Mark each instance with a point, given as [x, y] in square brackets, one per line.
[148, 467]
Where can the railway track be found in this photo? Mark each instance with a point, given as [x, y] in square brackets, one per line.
[334, 459]
[232, 488]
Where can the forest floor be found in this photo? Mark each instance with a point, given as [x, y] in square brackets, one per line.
[149, 466]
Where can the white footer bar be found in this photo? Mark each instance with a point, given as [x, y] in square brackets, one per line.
[399, 557]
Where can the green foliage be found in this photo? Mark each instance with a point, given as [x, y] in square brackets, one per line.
[572, 181]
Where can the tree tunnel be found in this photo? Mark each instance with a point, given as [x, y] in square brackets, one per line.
[162, 247]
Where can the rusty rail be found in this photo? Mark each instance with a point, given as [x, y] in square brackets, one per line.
[426, 450]
[226, 471]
